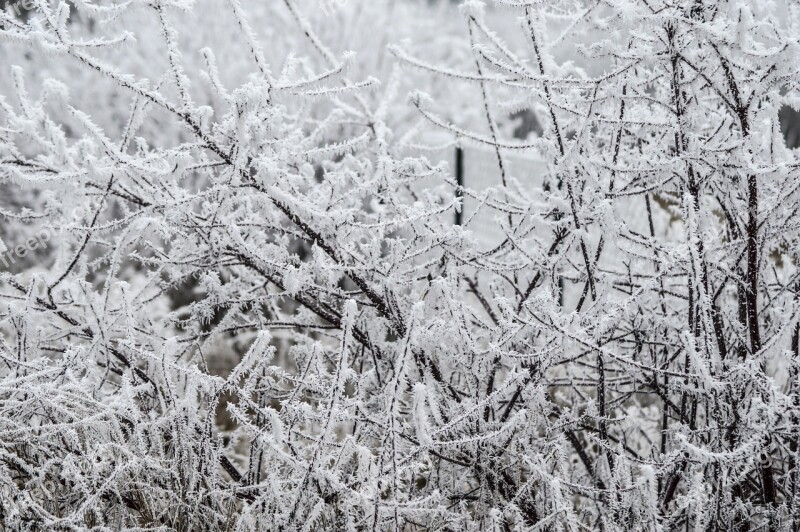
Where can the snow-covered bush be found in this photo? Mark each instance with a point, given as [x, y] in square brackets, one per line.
[648, 279]
[243, 305]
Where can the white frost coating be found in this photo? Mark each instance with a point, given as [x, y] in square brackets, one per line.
[234, 296]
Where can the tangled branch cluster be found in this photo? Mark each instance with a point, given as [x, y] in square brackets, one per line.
[265, 318]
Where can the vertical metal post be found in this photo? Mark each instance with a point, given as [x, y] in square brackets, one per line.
[460, 182]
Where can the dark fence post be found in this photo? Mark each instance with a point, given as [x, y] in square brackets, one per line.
[460, 182]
